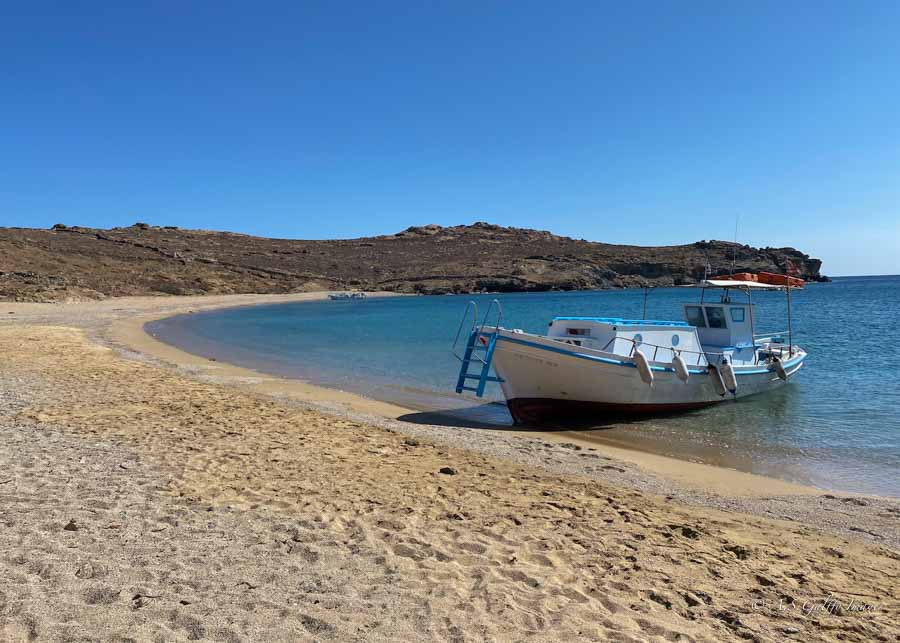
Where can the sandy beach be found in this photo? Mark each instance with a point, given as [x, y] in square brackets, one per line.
[148, 494]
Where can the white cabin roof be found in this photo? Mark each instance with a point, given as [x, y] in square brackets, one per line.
[734, 283]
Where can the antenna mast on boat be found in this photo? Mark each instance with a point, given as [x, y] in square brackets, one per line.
[737, 218]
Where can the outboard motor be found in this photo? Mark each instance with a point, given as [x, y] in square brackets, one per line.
[779, 368]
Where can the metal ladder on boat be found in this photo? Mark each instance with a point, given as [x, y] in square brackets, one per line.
[479, 349]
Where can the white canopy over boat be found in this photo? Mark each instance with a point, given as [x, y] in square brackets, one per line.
[734, 283]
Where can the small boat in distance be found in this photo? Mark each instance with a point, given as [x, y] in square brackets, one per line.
[588, 367]
[347, 295]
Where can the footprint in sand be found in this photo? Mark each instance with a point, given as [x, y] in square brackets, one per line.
[101, 595]
[540, 559]
[521, 577]
[472, 548]
[405, 551]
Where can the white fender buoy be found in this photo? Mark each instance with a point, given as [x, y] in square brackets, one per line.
[728, 377]
[643, 367]
[681, 369]
[717, 382]
[779, 369]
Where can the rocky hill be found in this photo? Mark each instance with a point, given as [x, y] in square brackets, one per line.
[66, 263]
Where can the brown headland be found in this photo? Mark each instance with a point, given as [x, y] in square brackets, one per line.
[71, 262]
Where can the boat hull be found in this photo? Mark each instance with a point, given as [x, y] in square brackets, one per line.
[548, 410]
[544, 381]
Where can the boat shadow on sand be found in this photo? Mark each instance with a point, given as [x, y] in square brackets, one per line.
[771, 411]
[494, 416]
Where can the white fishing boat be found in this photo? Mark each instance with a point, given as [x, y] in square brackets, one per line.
[346, 295]
[591, 367]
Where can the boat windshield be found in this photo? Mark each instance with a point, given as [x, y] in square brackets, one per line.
[716, 317]
[694, 315]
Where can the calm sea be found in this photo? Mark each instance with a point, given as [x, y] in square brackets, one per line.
[837, 425]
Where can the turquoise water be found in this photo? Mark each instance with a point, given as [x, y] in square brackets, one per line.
[836, 425]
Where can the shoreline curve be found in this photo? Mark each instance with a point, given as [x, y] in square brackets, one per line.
[130, 333]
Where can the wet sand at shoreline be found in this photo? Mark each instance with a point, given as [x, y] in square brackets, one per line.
[203, 501]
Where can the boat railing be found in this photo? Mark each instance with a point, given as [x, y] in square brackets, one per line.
[779, 334]
[473, 307]
[656, 348]
[494, 309]
[781, 350]
[495, 304]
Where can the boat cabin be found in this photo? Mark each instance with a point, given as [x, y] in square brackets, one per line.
[727, 327]
[722, 325]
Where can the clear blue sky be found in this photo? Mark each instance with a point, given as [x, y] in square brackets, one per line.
[634, 122]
